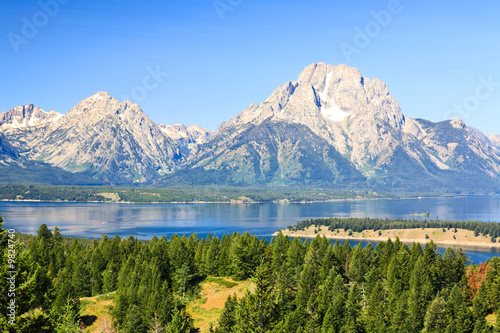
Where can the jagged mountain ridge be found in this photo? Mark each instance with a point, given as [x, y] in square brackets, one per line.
[27, 116]
[364, 123]
[102, 137]
[331, 127]
[186, 138]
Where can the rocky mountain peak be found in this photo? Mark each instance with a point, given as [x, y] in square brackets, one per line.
[317, 74]
[458, 123]
[186, 135]
[101, 105]
[98, 99]
[336, 93]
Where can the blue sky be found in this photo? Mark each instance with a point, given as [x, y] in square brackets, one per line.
[211, 59]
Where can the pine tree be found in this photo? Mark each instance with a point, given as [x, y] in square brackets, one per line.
[353, 320]
[224, 261]
[435, 318]
[357, 265]
[334, 317]
[181, 323]
[183, 276]
[97, 266]
[280, 248]
[376, 313]
[308, 278]
[399, 315]
[419, 296]
[227, 320]
[295, 259]
[257, 310]
[212, 257]
[481, 326]
[68, 321]
[480, 303]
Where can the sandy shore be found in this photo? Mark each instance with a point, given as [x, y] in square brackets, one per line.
[459, 238]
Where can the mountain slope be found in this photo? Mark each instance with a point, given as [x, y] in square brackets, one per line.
[273, 152]
[8, 154]
[111, 140]
[24, 125]
[359, 119]
[14, 168]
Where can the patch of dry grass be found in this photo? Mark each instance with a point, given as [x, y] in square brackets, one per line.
[213, 295]
[96, 313]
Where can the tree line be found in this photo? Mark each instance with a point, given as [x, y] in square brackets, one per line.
[300, 286]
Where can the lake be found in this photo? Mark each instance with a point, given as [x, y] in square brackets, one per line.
[146, 220]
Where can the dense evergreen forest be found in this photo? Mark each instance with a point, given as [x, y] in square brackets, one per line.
[300, 286]
[491, 229]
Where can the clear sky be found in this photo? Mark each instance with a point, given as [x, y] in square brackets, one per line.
[202, 62]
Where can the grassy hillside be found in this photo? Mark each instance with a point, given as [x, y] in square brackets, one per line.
[214, 293]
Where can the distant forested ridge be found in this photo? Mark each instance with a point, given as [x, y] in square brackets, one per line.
[491, 229]
[178, 194]
[300, 286]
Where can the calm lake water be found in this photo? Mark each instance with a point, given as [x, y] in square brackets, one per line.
[146, 220]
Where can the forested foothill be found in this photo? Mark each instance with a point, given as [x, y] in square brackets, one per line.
[300, 286]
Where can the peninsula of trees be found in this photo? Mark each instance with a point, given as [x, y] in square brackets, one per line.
[457, 233]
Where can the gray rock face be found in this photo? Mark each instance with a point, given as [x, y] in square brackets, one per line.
[115, 141]
[24, 125]
[455, 146]
[186, 138]
[26, 117]
[8, 155]
[495, 139]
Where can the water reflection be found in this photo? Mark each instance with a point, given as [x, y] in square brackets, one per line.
[146, 220]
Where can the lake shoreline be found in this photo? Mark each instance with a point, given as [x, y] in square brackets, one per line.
[232, 201]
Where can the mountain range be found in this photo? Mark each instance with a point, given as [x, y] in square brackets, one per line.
[331, 127]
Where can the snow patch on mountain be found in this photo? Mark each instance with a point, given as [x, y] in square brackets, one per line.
[333, 112]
